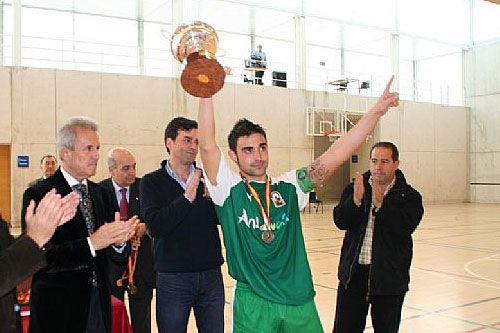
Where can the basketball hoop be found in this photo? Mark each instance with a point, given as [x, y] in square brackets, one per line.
[330, 133]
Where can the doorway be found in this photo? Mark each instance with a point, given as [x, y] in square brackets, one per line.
[5, 199]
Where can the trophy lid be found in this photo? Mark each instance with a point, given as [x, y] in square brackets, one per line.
[194, 37]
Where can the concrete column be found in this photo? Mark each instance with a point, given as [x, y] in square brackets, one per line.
[395, 60]
[16, 42]
[177, 17]
[252, 28]
[2, 61]
[140, 37]
[300, 52]
[342, 50]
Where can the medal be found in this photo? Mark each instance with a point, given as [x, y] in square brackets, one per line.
[132, 289]
[267, 236]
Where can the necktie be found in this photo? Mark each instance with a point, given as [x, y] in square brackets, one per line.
[85, 206]
[123, 205]
[87, 210]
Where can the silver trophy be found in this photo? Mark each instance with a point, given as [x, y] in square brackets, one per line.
[197, 43]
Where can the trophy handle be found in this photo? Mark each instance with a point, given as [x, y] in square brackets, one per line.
[220, 53]
[167, 35]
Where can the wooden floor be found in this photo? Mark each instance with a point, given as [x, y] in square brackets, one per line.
[455, 275]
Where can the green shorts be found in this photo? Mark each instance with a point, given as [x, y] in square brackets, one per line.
[252, 313]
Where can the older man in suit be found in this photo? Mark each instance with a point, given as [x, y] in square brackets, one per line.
[72, 293]
[124, 187]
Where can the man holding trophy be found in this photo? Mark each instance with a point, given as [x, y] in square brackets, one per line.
[260, 219]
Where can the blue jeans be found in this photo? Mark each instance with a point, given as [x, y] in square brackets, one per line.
[177, 293]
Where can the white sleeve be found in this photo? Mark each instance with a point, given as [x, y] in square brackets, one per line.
[226, 179]
[291, 177]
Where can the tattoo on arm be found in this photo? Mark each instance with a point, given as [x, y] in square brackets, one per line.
[318, 172]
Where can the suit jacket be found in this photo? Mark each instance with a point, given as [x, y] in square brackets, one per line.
[60, 293]
[31, 184]
[36, 181]
[144, 272]
[18, 260]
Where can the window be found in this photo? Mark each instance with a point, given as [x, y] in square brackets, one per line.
[158, 59]
[446, 20]
[486, 21]
[380, 13]
[280, 58]
[323, 66]
[106, 43]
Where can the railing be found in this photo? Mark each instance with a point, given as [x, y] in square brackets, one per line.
[88, 56]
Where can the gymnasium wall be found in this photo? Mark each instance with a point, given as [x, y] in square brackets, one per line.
[133, 111]
[482, 91]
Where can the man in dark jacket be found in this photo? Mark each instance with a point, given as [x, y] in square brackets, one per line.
[48, 165]
[72, 293]
[124, 188]
[187, 250]
[379, 212]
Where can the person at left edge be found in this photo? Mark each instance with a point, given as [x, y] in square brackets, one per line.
[72, 293]
[21, 257]
[121, 165]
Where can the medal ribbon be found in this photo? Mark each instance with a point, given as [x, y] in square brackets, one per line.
[128, 274]
[265, 215]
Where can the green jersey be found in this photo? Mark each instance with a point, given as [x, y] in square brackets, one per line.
[277, 271]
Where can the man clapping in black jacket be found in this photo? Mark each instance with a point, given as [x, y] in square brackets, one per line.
[379, 212]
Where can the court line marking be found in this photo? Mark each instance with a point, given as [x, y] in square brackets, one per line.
[325, 287]
[451, 235]
[460, 247]
[469, 270]
[439, 312]
[443, 275]
[481, 328]
[449, 273]
[468, 304]
[433, 313]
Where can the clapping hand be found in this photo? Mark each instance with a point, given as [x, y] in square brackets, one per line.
[42, 222]
[115, 232]
[359, 189]
[192, 185]
[70, 205]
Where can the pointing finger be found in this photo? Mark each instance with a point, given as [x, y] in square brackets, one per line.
[388, 86]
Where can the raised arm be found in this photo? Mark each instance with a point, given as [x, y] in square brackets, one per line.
[209, 151]
[324, 166]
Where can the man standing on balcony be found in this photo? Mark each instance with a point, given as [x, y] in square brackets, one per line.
[258, 59]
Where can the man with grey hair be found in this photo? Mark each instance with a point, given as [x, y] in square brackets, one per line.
[72, 294]
[124, 188]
